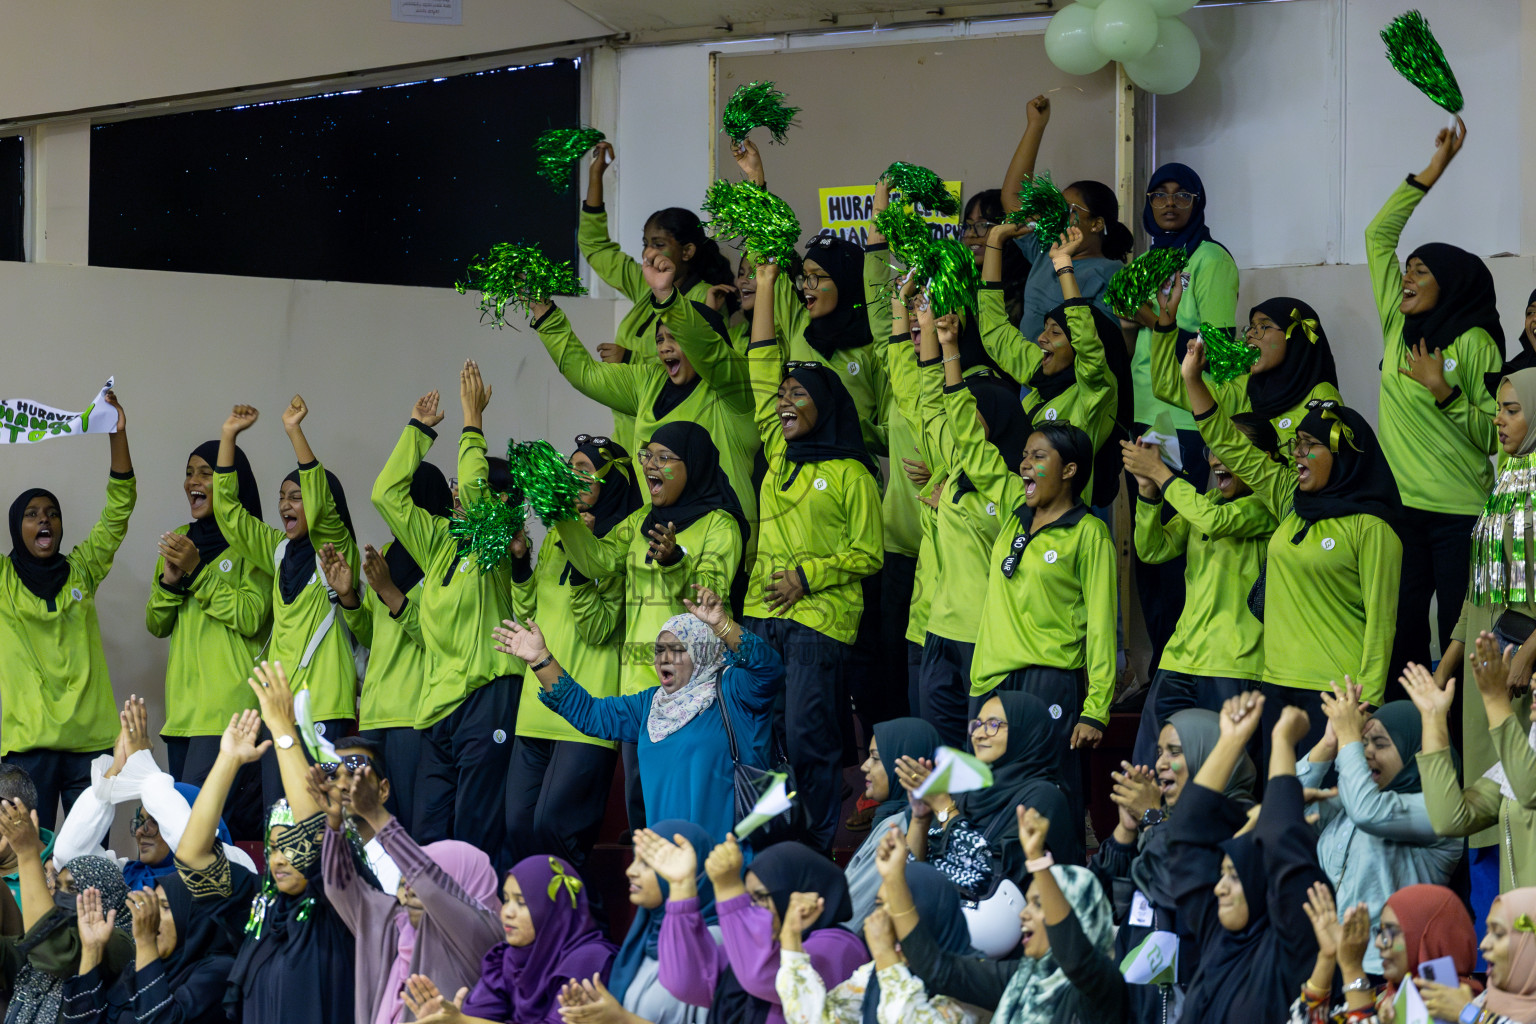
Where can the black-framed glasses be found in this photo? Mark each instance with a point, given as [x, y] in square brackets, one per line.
[988, 725]
[595, 440]
[353, 763]
[978, 227]
[801, 364]
[143, 823]
[1178, 200]
[807, 280]
[1257, 330]
[1302, 447]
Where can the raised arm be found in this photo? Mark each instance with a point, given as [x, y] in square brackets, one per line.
[1383, 233]
[18, 825]
[1021, 168]
[249, 537]
[95, 554]
[1016, 355]
[1273, 483]
[602, 253]
[707, 350]
[237, 748]
[419, 530]
[616, 385]
[765, 361]
[277, 713]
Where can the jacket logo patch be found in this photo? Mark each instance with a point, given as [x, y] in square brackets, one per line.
[463, 566]
[1285, 424]
[1050, 557]
[820, 484]
[1050, 414]
[226, 565]
[991, 508]
[74, 592]
[314, 576]
[1450, 364]
[319, 728]
[853, 369]
[1055, 710]
[500, 735]
[1327, 543]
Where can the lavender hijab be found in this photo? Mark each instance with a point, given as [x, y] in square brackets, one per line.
[519, 983]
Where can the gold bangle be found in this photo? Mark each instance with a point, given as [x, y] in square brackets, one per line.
[901, 913]
[725, 631]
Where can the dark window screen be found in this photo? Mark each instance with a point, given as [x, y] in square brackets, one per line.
[394, 185]
[12, 183]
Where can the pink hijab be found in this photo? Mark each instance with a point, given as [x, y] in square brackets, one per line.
[1517, 909]
[468, 866]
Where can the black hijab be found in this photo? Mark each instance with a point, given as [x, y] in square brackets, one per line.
[837, 434]
[786, 868]
[1467, 298]
[1028, 772]
[1308, 358]
[973, 353]
[1524, 359]
[1242, 973]
[619, 494]
[1361, 481]
[898, 738]
[299, 557]
[1194, 232]
[847, 326]
[1112, 339]
[673, 395]
[707, 489]
[205, 532]
[44, 577]
[430, 493]
[199, 933]
[1008, 425]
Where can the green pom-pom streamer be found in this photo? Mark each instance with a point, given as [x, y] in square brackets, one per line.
[750, 212]
[905, 232]
[486, 528]
[1044, 206]
[1135, 283]
[546, 480]
[757, 105]
[1226, 358]
[558, 150]
[919, 185]
[954, 277]
[518, 276]
[1415, 52]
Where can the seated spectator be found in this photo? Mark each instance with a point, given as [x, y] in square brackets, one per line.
[1376, 836]
[974, 839]
[1067, 973]
[1243, 897]
[702, 658]
[893, 741]
[883, 989]
[1135, 857]
[181, 966]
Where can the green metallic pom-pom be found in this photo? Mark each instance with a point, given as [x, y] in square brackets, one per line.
[1416, 54]
[1042, 205]
[558, 150]
[546, 479]
[518, 276]
[905, 232]
[1226, 358]
[750, 212]
[919, 185]
[486, 528]
[757, 105]
[1134, 284]
[954, 278]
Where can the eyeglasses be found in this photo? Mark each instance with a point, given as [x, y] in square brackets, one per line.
[805, 281]
[978, 227]
[1076, 212]
[1178, 200]
[989, 725]
[353, 763]
[1300, 447]
[646, 457]
[1254, 330]
[1386, 934]
[143, 823]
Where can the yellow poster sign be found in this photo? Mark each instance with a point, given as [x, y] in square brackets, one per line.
[847, 210]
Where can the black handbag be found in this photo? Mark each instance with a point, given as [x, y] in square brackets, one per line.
[1513, 628]
[750, 783]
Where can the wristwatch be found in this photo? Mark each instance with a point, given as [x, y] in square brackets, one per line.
[1470, 1014]
[1152, 816]
[283, 742]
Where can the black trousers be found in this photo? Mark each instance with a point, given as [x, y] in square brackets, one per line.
[557, 791]
[1172, 692]
[402, 759]
[1276, 700]
[815, 709]
[898, 579]
[463, 777]
[1061, 690]
[1436, 566]
[190, 758]
[634, 795]
[944, 687]
[58, 775]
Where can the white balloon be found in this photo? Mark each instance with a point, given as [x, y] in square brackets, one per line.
[1124, 29]
[1069, 40]
[1170, 8]
[1173, 61]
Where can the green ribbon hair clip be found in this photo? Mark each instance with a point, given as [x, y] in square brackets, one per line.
[1308, 325]
[570, 883]
[1523, 923]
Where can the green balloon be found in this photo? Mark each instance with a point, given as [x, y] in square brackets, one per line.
[1173, 61]
[1124, 29]
[1069, 40]
[1170, 8]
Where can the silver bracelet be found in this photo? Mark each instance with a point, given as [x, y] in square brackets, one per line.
[1360, 984]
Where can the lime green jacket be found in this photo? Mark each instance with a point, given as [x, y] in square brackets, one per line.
[397, 657]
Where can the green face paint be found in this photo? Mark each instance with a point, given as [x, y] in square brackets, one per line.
[668, 472]
[1039, 468]
[800, 403]
[1311, 455]
[1175, 766]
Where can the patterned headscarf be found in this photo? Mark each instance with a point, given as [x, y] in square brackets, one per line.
[1038, 986]
[671, 711]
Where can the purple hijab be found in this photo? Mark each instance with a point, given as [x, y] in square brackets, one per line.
[520, 983]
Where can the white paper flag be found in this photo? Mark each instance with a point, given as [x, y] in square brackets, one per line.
[320, 748]
[770, 805]
[1410, 1005]
[23, 421]
[1154, 962]
[954, 771]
